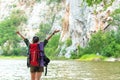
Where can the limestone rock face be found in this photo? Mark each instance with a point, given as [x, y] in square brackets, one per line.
[83, 22]
[76, 20]
[37, 12]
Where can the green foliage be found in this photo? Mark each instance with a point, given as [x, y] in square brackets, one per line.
[16, 51]
[91, 57]
[82, 51]
[9, 26]
[52, 1]
[51, 48]
[44, 30]
[19, 51]
[102, 43]
[116, 22]
[116, 17]
[92, 2]
[68, 42]
[38, 0]
[107, 3]
[74, 55]
[96, 2]
[8, 29]
[12, 57]
[117, 36]
[14, 5]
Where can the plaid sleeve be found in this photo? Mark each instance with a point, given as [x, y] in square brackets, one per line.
[26, 42]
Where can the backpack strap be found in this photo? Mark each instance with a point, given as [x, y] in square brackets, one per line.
[46, 71]
[41, 47]
[43, 56]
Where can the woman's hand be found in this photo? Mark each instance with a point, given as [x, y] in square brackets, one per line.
[17, 32]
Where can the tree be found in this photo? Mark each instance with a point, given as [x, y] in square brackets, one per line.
[8, 29]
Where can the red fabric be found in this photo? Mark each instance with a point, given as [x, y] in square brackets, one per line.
[34, 51]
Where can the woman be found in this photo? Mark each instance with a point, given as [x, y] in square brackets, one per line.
[36, 71]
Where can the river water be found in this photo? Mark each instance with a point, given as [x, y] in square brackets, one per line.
[62, 70]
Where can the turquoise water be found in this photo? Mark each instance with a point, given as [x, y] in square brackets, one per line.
[62, 70]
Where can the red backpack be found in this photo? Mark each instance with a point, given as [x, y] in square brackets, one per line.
[34, 54]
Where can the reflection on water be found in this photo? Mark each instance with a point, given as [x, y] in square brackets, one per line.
[62, 70]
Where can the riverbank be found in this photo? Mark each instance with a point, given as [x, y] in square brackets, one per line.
[94, 57]
[13, 57]
[87, 57]
[24, 57]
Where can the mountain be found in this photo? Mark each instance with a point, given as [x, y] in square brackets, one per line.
[75, 18]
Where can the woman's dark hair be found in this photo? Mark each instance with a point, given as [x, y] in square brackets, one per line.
[35, 39]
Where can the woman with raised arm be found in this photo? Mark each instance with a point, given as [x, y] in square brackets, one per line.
[35, 69]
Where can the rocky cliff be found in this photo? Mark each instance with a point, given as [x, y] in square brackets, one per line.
[83, 20]
[76, 20]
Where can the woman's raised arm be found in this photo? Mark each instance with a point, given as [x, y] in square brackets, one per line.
[20, 35]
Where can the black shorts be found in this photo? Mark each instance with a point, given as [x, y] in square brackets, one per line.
[36, 69]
